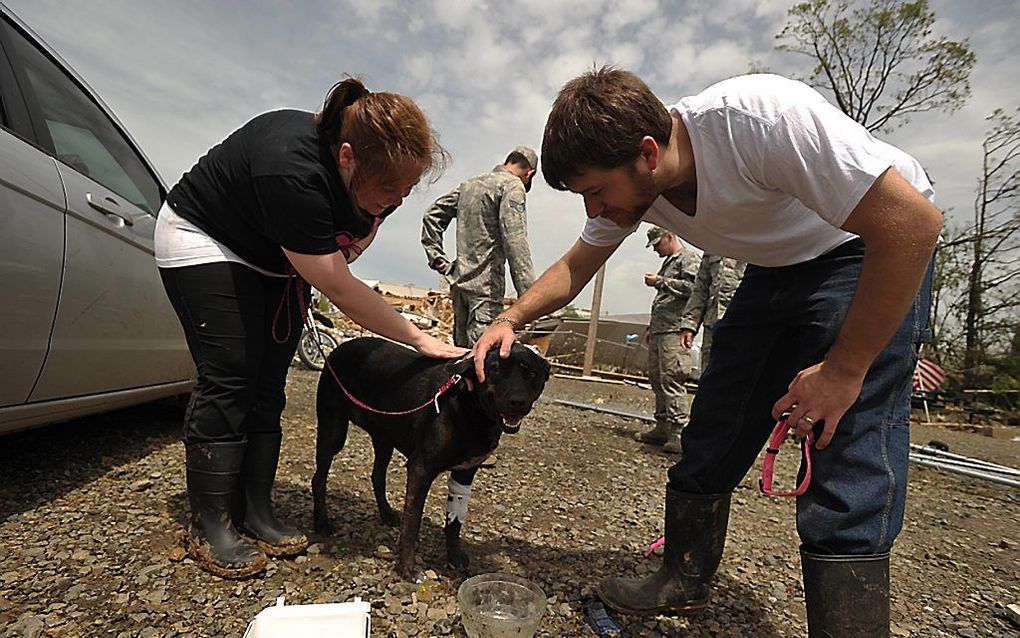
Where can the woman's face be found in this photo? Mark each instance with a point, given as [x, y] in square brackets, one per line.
[373, 194]
[376, 196]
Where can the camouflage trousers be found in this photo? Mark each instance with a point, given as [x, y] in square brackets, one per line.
[706, 346]
[472, 314]
[669, 366]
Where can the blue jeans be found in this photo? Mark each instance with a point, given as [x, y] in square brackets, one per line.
[782, 320]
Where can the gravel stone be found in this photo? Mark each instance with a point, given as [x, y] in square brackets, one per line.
[91, 513]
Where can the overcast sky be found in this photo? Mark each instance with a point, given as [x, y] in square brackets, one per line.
[182, 74]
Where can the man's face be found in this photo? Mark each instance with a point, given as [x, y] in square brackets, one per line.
[620, 195]
[664, 247]
[524, 173]
[527, 180]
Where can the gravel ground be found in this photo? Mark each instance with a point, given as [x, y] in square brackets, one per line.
[90, 512]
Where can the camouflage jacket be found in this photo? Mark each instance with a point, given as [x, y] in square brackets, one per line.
[718, 278]
[676, 280]
[491, 231]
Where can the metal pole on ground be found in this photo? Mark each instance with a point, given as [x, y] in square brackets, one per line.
[593, 322]
[921, 455]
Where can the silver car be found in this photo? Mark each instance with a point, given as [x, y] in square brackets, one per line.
[85, 325]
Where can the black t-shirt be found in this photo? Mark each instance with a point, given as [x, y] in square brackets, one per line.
[272, 183]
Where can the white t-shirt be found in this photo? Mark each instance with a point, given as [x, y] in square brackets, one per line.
[180, 243]
[779, 169]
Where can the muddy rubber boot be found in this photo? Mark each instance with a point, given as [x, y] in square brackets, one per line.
[213, 470]
[253, 511]
[654, 436]
[672, 445]
[695, 535]
[846, 596]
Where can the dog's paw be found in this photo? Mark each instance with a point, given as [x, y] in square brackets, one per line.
[390, 518]
[458, 558]
[405, 572]
[324, 527]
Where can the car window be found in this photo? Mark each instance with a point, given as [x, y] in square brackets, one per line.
[83, 136]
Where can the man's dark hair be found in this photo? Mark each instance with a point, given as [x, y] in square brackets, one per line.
[517, 158]
[598, 120]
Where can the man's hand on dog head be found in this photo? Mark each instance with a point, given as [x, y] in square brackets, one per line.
[501, 334]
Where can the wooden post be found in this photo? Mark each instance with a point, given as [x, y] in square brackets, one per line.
[593, 322]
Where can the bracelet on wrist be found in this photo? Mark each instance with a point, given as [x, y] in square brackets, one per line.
[506, 320]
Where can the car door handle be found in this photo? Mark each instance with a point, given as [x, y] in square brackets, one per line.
[109, 207]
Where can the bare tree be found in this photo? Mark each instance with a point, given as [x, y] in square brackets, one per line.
[951, 271]
[881, 62]
[984, 256]
[995, 265]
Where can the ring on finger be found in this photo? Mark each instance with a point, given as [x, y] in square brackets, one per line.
[808, 419]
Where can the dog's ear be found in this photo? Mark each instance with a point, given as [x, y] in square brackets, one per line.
[465, 366]
[544, 367]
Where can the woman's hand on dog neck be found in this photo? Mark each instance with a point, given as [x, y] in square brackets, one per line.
[429, 346]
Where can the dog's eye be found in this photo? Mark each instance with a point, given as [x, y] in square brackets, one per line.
[527, 372]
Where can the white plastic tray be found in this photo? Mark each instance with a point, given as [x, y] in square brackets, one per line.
[332, 620]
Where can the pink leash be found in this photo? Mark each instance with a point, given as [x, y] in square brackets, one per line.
[347, 243]
[779, 434]
[434, 401]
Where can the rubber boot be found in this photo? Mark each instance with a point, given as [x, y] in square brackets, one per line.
[213, 471]
[654, 436]
[695, 535]
[253, 511]
[672, 445]
[846, 596]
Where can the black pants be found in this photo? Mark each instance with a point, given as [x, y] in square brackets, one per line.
[228, 312]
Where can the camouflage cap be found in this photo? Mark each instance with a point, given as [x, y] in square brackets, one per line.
[529, 154]
[654, 235]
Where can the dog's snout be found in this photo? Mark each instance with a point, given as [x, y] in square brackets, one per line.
[519, 406]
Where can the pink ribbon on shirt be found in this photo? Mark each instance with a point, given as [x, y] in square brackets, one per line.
[348, 243]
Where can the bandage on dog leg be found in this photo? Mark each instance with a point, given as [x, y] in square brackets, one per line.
[457, 502]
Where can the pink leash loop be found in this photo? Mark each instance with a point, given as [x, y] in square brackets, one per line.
[779, 434]
[655, 545]
[293, 279]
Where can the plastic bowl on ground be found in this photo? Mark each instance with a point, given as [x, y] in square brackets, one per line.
[500, 606]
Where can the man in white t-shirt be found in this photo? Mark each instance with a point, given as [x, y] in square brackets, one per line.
[762, 169]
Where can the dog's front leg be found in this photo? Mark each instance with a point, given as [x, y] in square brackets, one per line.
[419, 479]
[456, 514]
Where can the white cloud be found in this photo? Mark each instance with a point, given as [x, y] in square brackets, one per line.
[631, 12]
[456, 14]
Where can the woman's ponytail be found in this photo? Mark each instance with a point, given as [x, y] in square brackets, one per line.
[390, 136]
[330, 120]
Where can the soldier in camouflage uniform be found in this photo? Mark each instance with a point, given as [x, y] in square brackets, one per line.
[669, 363]
[491, 231]
[718, 278]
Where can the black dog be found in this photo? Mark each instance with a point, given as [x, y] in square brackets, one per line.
[465, 430]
